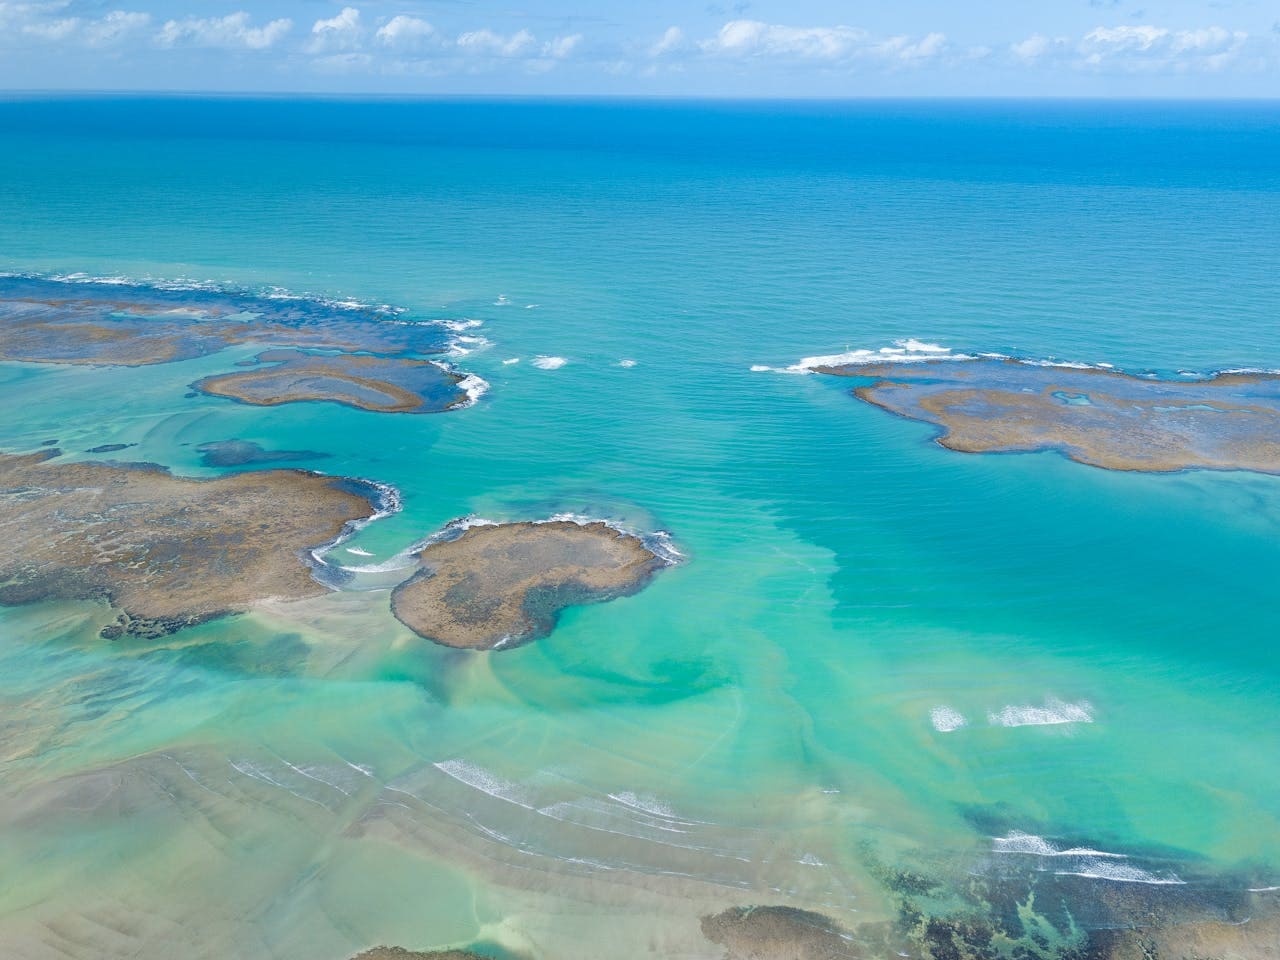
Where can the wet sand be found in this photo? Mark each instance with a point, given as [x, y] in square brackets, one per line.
[498, 586]
[1099, 417]
[378, 384]
[164, 551]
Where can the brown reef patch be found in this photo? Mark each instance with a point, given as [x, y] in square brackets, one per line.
[778, 933]
[1095, 416]
[502, 585]
[165, 551]
[44, 321]
[379, 384]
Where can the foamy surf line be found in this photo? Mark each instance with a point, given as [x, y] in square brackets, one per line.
[911, 350]
[457, 343]
[223, 287]
[1055, 712]
[658, 542]
[386, 502]
[1082, 861]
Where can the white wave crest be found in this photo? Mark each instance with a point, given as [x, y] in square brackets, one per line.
[1119, 873]
[548, 363]
[945, 719]
[457, 326]
[474, 387]
[1029, 843]
[1053, 712]
[486, 782]
[626, 363]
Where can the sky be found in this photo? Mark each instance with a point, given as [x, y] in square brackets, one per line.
[724, 48]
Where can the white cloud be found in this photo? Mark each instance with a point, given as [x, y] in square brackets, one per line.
[1149, 48]
[1126, 37]
[405, 32]
[232, 31]
[561, 47]
[488, 43]
[671, 41]
[1030, 49]
[902, 48]
[342, 32]
[116, 26]
[754, 38]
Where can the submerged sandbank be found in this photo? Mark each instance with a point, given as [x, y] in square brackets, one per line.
[1093, 415]
[500, 585]
[165, 551]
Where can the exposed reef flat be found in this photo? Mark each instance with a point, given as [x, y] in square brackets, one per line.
[165, 551]
[500, 585]
[243, 453]
[1096, 416]
[48, 321]
[400, 953]
[379, 384]
[778, 933]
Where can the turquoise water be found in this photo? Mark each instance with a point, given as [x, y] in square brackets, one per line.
[310, 779]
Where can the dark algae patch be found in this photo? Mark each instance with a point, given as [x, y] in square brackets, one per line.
[500, 585]
[243, 453]
[1095, 416]
[166, 552]
[779, 933]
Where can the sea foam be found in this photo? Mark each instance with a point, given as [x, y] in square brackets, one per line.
[1053, 712]
[945, 719]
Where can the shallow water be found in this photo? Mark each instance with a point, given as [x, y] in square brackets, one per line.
[872, 639]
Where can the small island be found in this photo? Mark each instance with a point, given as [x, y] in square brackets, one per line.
[166, 552]
[378, 384]
[1092, 415]
[500, 585]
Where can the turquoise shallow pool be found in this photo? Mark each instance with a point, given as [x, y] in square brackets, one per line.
[873, 642]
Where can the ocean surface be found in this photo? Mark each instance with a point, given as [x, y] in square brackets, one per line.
[872, 643]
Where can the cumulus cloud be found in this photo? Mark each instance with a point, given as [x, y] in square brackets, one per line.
[405, 32]
[1147, 47]
[343, 32]
[487, 43]
[757, 39]
[233, 31]
[672, 41]
[114, 27]
[754, 38]
[560, 47]
[908, 51]
[1030, 49]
